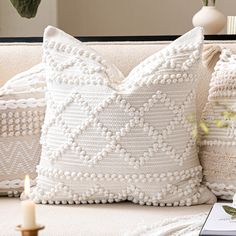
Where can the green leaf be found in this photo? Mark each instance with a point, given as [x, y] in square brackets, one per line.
[220, 124]
[205, 2]
[26, 8]
[230, 210]
[191, 117]
[229, 115]
[204, 127]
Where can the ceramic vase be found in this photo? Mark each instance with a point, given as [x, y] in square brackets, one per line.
[210, 18]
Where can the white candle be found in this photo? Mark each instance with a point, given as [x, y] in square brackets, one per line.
[28, 208]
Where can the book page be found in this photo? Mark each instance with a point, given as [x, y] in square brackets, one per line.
[219, 220]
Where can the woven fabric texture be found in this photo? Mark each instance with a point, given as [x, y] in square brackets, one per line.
[218, 149]
[22, 110]
[108, 137]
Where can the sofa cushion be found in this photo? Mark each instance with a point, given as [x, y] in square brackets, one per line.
[105, 135]
[18, 57]
[22, 107]
[218, 150]
[90, 220]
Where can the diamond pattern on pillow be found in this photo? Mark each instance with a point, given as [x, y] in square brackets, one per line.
[114, 138]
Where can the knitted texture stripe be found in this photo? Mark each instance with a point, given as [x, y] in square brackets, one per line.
[218, 150]
[22, 110]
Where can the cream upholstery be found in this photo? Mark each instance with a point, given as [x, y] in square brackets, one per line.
[18, 57]
[92, 219]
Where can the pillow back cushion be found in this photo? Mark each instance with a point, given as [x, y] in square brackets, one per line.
[219, 145]
[22, 110]
[109, 138]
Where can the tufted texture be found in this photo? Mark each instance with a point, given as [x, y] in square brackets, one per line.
[22, 107]
[132, 53]
[18, 57]
[218, 147]
[108, 137]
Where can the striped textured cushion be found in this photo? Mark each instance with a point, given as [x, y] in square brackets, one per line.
[218, 150]
[22, 110]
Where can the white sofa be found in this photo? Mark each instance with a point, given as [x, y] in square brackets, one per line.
[109, 219]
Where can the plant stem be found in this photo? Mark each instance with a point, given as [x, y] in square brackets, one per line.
[214, 2]
[205, 2]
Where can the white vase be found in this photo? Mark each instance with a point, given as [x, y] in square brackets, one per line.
[210, 18]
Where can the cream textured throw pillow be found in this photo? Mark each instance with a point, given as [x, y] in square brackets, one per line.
[109, 138]
[22, 110]
[218, 151]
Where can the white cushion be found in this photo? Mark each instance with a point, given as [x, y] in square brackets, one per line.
[218, 152]
[22, 107]
[108, 137]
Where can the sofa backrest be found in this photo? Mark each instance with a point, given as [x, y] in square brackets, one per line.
[18, 57]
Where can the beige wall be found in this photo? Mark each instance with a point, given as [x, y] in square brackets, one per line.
[131, 17]
[11, 24]
[107, 17]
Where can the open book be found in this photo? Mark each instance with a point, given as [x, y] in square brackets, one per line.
[219, 223]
